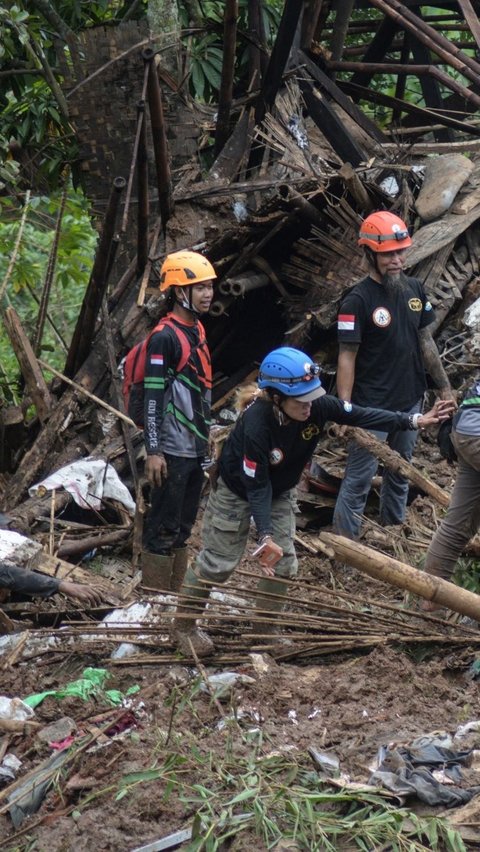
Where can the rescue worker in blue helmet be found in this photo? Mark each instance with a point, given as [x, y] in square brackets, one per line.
[261, 463]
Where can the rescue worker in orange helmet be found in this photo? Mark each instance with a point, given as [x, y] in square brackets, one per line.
[385, 351]
[177, 397]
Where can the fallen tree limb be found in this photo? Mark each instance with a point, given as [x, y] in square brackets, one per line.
[395, 462]
[403, 576]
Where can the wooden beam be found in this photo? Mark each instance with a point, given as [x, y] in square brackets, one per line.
[279, 57]
[416, 70]
[327, 120]
[433, 40]
[425, 115]
[376, 50]
[336, 94]
[471, 18]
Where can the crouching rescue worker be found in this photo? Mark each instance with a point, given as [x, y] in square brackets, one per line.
[260, 465]
[176, 415]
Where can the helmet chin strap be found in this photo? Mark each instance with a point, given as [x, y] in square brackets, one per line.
[187, 303]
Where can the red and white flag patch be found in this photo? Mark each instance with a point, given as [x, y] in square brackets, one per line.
[156, 360]
[346, 322]
[249, 467]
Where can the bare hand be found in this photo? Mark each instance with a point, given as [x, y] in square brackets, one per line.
[267, 556]
[90, 595]
[156, 469]
[442, 410]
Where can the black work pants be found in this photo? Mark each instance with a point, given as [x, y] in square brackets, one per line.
[174, 506]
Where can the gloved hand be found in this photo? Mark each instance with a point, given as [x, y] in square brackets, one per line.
[267, 554]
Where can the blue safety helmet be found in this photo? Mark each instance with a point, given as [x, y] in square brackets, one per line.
[292, 373]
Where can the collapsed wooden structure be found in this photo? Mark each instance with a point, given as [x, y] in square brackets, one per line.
[297, 162]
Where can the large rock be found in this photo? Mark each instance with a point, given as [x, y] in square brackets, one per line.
[444, 176]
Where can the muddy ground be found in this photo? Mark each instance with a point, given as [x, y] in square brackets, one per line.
[347, 704]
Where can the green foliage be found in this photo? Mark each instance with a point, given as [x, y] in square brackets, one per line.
[467, 574]
[25, 283]
[205, 51]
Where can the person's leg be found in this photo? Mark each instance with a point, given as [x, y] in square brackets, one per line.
[394, 489]
[360, 469]
[463, 515]
[163, 522]
[270, 599]
[225, 528]
[193, 490]
[194, 481]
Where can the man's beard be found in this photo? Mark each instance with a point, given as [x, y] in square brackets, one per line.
[395, 283]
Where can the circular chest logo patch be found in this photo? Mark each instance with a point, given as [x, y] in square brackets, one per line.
[276, 456]
[382, 317]
[415, 304]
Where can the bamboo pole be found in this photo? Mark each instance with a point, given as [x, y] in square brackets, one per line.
[142, 190]
[396, 573]
[159, 136]
[432, 39]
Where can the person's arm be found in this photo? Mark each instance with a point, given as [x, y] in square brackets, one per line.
[331, 408]
[17, 579]
[346, 370]
[160, 358]
[433, 364]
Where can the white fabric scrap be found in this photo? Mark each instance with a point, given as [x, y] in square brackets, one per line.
[87, 481]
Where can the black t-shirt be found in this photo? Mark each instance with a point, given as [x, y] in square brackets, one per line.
[389, 371]
[262, 459]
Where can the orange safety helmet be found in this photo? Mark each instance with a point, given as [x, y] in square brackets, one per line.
[383, 231]
[185, 268]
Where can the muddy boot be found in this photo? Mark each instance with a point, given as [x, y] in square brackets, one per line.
[270, 607]
[184, 627]
[179, 569]
[156, 570]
